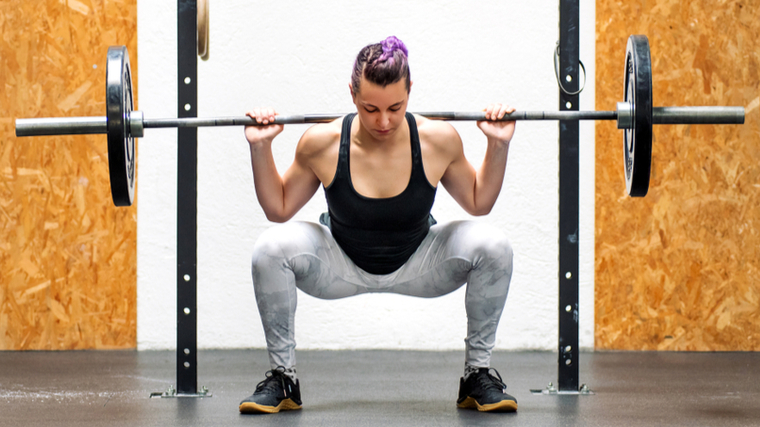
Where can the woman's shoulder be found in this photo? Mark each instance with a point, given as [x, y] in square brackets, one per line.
[320, 137]
[437, 132]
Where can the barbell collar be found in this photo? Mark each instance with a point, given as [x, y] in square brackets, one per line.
[624, 115]
[136, 124]
[698, 115]
[61, 126]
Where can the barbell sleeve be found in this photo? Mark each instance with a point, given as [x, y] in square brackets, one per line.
[698, 115]
[61, 126]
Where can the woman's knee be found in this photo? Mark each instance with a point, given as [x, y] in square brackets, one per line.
[488, 242]
[280, 242]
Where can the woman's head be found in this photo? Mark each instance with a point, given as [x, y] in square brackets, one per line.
[381, 63]
[380, 87]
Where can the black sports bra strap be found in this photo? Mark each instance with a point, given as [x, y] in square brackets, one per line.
[345, 146]
[418, 169]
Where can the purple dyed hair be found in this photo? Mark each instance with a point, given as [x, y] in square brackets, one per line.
[382, 63]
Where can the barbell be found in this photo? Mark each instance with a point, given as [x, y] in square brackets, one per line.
[635, 116]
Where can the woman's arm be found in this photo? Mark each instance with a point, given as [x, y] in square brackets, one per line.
[279, 196]
[477, 190]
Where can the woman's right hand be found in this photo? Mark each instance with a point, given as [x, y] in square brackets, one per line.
[262, 134]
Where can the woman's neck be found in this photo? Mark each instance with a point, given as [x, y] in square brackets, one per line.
[363, 138]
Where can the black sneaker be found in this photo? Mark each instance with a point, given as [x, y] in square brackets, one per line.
[276, 393]
[484, 392]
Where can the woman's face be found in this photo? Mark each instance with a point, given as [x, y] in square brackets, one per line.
[381, 109]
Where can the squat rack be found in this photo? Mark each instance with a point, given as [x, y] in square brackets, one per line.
[187, 204]
[569, 205]
[187, 197]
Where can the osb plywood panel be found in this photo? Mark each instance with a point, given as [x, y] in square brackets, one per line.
[67, 256]
[680, 269]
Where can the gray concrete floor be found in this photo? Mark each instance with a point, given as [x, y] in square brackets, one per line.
[378, 388]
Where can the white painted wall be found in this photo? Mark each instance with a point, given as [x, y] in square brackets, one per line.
[297, 56]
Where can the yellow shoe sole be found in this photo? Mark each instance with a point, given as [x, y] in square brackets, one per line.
[255, 408]
[503, 406]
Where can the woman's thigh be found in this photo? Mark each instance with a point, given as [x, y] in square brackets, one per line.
[448, 255]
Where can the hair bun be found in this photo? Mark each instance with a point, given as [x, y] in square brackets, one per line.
[391, 45]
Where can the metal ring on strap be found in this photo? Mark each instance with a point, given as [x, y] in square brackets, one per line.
[556, 74]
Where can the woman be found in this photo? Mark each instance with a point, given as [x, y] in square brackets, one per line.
[380, 168]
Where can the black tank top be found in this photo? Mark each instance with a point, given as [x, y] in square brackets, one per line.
[379, 234]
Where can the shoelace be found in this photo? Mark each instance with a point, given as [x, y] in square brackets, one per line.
[269, 383]
[486, 380]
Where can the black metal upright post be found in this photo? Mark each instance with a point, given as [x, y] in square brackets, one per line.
[569, 162]
[187, 195]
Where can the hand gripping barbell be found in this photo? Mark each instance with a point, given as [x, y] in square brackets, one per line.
[635, 116]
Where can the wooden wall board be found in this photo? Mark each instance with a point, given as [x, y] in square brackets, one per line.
[67, 255]
[680, 268]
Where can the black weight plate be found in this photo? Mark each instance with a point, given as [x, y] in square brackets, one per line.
[121, 145]
[638, 140]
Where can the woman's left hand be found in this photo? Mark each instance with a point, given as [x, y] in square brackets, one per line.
[493, 127]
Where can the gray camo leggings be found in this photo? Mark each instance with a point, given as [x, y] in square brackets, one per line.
[304, 255]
